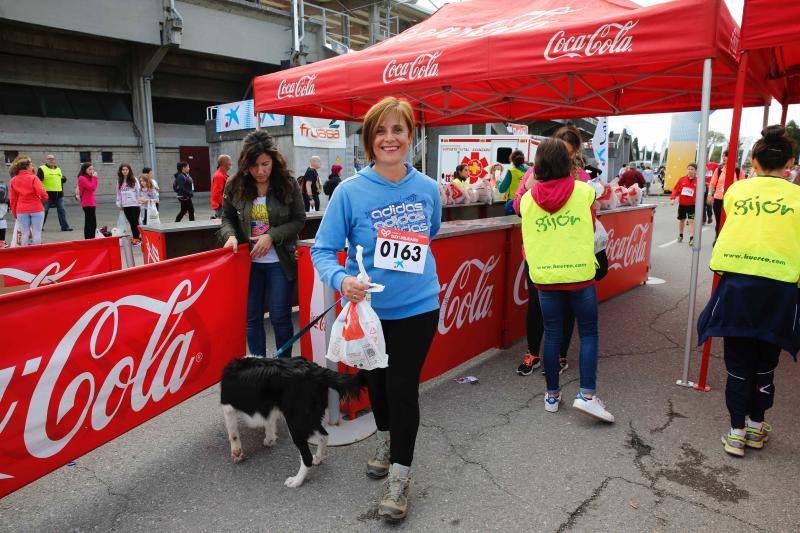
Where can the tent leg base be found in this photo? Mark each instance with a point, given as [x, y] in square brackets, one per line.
[687, 384]
[703, 388]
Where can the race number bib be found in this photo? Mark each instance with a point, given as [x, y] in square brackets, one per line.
[399, 250]
[687, 191]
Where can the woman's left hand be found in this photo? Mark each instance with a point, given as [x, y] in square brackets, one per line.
[262, 246]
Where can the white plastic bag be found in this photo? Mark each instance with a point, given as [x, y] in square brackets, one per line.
[153, 218]
[16, 237]
[600, 237]
[122, 226]
[357, 336]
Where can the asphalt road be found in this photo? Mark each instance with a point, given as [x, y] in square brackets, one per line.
[489, 458]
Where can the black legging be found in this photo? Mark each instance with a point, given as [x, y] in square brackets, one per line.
[394, 391]
[132, 214]
[89, 222]
[186, 207]
[534, 324]
[717, 214]
[750, 390]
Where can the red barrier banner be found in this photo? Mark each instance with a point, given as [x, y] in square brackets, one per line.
[516, 290]
[472, 272]
[57, 262]
[630, 235]
[123, 349]
[154, 247]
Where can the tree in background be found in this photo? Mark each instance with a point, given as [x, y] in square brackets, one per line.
[793, 130]
[720, 142]
[635, 149]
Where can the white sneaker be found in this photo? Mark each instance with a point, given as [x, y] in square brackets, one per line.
[593, 407]
[551, 402]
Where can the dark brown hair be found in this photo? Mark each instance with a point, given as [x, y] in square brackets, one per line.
[570, 135]
[552, 160]
[242, 185]
[517, 158]
[693, 165]
[84, 167]
[774, 149]
[131, 179]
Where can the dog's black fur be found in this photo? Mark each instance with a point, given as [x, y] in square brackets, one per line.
[294, 386]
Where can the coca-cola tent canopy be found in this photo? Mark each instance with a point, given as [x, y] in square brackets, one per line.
[774, 26]
[521, 60]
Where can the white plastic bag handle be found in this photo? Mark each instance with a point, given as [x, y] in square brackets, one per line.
[362, 272]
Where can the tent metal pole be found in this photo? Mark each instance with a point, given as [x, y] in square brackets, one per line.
[705, 107]
[765, 121]
[784, 111]
[424, 147]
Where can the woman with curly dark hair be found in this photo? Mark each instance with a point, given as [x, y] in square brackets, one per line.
[128, 199]
[262, 204]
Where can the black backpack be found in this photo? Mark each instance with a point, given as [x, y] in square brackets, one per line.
[3, 193]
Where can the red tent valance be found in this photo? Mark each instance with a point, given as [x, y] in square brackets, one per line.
[524, 60]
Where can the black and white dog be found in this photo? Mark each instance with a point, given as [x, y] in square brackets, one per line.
[262, 389]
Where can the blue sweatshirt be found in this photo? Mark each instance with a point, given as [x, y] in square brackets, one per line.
[359, 206]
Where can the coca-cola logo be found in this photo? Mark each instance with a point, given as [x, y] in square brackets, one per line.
[295, 89]
[610, 38]
[521, 285]
[421, 67]
[468, 295]
[49, 274]
[630, 250]
[93, 400]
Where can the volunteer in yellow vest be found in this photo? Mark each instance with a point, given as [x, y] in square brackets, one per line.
[512, 179]
[53, 181]
[755, 305]
[558, 236]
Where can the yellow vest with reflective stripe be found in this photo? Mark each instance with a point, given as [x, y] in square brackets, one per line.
[52, 178]
[761, 235]
[559, 247]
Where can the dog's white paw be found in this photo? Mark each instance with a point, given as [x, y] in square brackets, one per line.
[237, 455]
[317, 459]
[293, 482]
[270, 441]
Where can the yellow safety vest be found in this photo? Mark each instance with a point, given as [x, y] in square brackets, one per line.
[52, 178]
[559, 247]
[516, 179]
[761, 235]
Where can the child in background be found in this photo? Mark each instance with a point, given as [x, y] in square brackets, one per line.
[685, 190]
[148, 191]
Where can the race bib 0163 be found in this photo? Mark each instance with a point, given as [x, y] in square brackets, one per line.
[687, 191]
[399, 250]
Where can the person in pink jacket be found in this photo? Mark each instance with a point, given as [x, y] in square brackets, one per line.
[87, 185]
[26, 194]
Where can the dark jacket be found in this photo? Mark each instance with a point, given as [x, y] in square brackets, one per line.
[285, 221]
[333, 181]
[183, 185]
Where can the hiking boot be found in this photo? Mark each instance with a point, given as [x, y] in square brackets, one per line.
[593, 406]
[756, 438]
[734, 444]
[551, 401]
[563, 366]
[394, 504]
[528, 364]
[680, 238]
[378, 466]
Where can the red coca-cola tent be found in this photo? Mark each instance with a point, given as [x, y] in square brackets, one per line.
[519, 60]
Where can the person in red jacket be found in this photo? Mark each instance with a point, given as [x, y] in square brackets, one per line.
[685, 191]
[631, 177]
[224, 163]
[26, 194]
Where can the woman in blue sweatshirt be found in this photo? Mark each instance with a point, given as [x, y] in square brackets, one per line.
[393, 197]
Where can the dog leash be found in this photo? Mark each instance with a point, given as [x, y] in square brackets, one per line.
[303, 331]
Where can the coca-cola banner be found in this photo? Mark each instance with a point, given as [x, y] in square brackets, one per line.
[630, 234]
[126, 346]
[57, 262]
[154, 246]
[472, 277]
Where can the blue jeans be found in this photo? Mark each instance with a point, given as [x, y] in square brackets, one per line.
[584, 304]
[268, 277]
[30, 224]
[58, 203]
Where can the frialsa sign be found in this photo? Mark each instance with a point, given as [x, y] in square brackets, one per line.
[319, 133]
